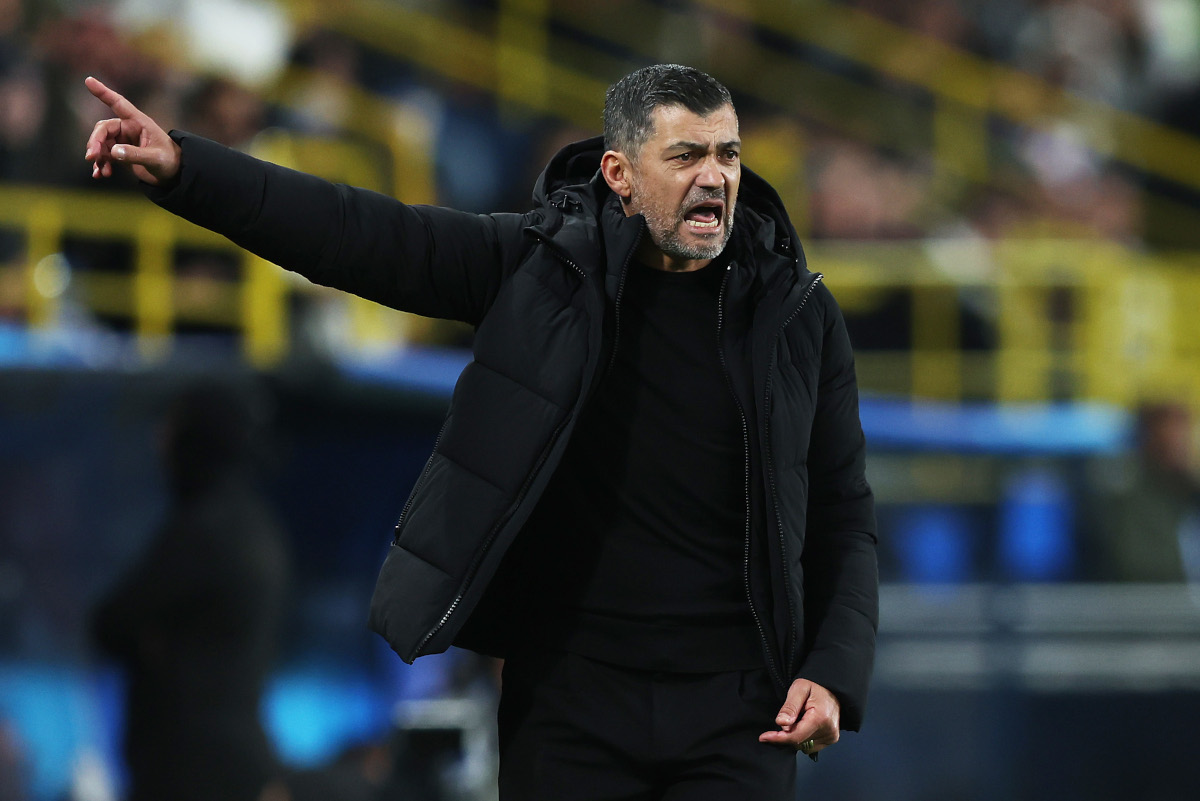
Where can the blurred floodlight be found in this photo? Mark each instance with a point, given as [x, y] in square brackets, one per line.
[246, 40]
[52, 276]
[1174, 57]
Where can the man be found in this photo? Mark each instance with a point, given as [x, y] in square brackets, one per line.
[195, 621]
[649, 491]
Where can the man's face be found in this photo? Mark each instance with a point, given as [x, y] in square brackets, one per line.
[685, 179]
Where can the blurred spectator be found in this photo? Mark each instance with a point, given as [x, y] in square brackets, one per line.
[224, 111]
[1146, 516]
[195, 623]
[13, 766]
[858, 194]
[1093, 47]
[1075, 192]
[321, 101]
[23, 105]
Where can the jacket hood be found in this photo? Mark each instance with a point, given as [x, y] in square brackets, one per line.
[575, 164]
[575, 172]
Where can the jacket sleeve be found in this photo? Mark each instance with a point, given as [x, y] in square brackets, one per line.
[841, 577]
[427, 260]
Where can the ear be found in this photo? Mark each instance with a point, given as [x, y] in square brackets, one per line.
[615, 168]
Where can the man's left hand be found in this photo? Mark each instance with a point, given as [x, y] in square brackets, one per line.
[810, 712]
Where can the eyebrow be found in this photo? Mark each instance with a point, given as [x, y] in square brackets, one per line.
[699, 146]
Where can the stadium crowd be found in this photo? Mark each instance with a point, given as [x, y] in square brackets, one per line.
[1142, 57]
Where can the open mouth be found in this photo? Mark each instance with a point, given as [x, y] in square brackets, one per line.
[706, 216]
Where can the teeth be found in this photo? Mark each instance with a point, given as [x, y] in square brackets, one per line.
[698, 224]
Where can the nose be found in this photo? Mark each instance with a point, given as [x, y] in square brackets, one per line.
[710, 175]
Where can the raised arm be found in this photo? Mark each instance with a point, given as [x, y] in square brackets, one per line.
[423, 259]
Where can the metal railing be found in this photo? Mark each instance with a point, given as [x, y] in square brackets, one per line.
[891, 87]
[1067, 320]
[150, 294]
[1072, 638]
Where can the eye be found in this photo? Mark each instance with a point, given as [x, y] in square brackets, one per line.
[732, 155]
[684, 157]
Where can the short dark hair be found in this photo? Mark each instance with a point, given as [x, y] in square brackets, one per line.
[630, 102]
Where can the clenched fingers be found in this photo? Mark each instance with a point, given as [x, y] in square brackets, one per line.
[810, 712]
[814, 725]
[105, 134]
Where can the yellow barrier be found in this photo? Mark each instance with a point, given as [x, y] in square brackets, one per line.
[513, 54]
[151, 296]
[1066, 320]
[1069, 320]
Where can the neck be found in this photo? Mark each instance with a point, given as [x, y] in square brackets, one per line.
[649, 254]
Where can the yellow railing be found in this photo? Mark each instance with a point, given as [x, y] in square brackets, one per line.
[151, 296]
[1064, 319]
[1077, 319]
[503, 55]
[966, 85]
[512, 54]
[556, 59]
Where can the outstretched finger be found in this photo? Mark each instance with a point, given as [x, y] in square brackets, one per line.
[120, 106]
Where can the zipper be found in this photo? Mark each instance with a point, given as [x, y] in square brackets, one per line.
[771, 464]
[561, 255]
[420, 480]
[429, 463]
[771, 664]
[617, 301]
[487, 543]
[521, 493]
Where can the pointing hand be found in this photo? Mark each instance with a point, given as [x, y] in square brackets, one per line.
[131, 138]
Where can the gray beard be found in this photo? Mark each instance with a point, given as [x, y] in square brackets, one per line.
[664, 226]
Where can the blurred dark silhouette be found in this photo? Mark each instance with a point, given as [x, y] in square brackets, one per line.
[225, 112]
[196, 621]
[13, 764]
[1142, 522]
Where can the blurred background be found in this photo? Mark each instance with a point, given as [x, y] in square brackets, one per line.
[1004, 196]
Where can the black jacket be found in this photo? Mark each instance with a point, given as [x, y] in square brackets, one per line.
[543, 290]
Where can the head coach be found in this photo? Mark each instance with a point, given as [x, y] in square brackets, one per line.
[648, 495]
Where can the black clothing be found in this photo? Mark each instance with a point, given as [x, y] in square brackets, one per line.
[195, 624]
[544, 291]
[572, 727]
[634, 554]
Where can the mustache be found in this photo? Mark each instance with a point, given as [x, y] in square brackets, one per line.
[700, 196]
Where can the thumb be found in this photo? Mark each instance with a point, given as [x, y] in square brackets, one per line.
[129, 154]
[789, 713]
[154, 163]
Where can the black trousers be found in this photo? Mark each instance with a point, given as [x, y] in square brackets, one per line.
[574, 729]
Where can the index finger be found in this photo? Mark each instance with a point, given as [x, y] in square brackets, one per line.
[120, 106]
